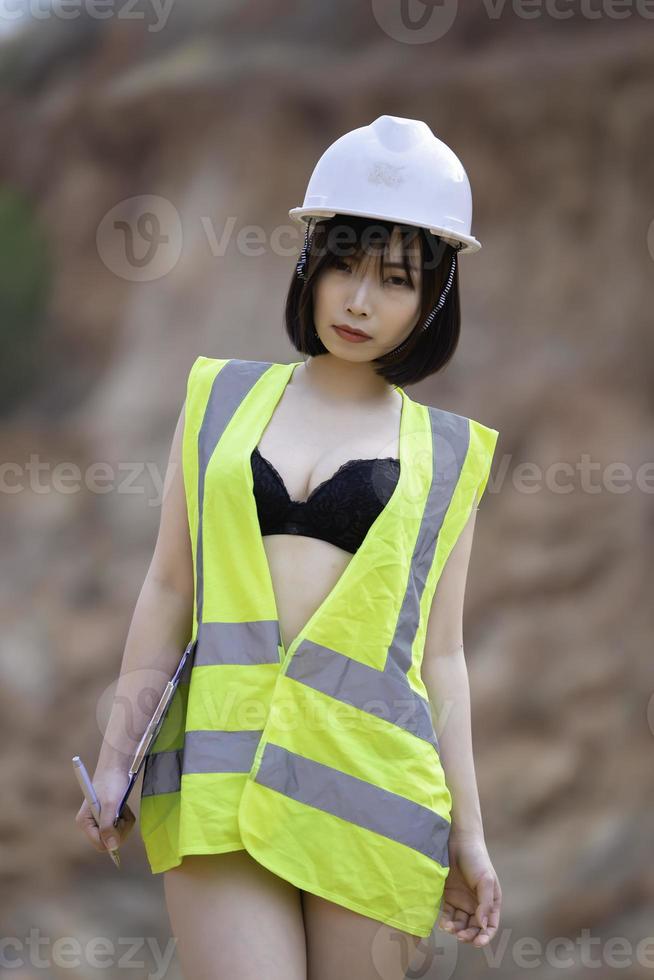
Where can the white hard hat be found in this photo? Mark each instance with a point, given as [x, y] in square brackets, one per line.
[395, 169]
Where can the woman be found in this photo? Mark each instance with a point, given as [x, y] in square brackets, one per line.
[300, 546]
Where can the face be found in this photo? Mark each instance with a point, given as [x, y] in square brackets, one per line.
[354, 296]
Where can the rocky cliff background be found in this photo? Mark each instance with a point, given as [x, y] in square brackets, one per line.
[222, 110]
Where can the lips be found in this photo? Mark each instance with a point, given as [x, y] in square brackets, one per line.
[358, 333]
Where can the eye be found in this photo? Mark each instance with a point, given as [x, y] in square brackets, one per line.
[401, 280]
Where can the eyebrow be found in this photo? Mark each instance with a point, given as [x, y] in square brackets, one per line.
[400, 265]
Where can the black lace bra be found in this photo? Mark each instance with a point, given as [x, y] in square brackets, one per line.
[339, 510]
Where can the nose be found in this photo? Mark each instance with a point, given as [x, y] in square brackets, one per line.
[359, 303]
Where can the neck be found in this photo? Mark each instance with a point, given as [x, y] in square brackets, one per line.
[332, 378]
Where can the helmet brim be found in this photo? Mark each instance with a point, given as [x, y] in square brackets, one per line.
[469, 243]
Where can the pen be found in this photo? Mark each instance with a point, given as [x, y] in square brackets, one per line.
[91, 798]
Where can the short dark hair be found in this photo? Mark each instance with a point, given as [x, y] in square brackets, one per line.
[426, 351]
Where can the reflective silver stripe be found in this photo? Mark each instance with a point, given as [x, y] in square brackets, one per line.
[231, 385]
[450, 440]
[223, 751]
[162, 773]
[238, 643]
[203, 752]
[355, 800]
[386, 695]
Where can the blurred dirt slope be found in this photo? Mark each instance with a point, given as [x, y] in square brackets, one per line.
[223, 112]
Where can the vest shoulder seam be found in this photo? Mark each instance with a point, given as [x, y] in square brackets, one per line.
[444, 412]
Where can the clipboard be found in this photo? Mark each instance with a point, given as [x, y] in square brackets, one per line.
[154, 726]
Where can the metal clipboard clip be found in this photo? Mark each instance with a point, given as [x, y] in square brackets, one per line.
[154, 726]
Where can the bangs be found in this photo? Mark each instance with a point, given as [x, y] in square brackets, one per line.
[366, 242]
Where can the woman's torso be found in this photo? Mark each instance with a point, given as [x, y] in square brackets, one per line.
[307, 439]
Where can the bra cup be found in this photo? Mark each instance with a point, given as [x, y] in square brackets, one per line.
[339, 510]
[269, 489]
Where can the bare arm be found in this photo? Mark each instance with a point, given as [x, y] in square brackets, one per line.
[161, 624]
[472, 897]
[445, 676]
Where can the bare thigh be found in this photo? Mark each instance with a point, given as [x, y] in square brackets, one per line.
[343, 944]
[234, 918]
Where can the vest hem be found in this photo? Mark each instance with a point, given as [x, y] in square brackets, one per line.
[347, 903]
[222, 849]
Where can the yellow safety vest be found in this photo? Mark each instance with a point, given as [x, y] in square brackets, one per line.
[320, 760]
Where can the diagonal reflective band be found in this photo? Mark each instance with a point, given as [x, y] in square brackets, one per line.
[355, 800]
[230, 386]
[450, 440]
[380, 693]
[203, 752]
[238, 643]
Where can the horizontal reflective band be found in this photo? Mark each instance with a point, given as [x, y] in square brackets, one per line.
[203, 752]
[378, 692]
[238, 643]
[162, 773]
[450, 441]
[355, 800]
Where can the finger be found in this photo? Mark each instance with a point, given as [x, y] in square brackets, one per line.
[126, 818]
[460, 920]
[109, 835]
[118, 833]
[493, 924]
[447, 916]
[485, 895]
[124, 824]
[494, 913]
[86, 821]
[467, 935]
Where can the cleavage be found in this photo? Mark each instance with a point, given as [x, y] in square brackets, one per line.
[285, 414]
[319, 486]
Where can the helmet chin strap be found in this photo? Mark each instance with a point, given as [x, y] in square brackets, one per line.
[301, 270]
[301, 267]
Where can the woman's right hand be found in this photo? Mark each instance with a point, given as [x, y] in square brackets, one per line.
[109, 785]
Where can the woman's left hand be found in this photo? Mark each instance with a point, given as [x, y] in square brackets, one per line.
[472, 896]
